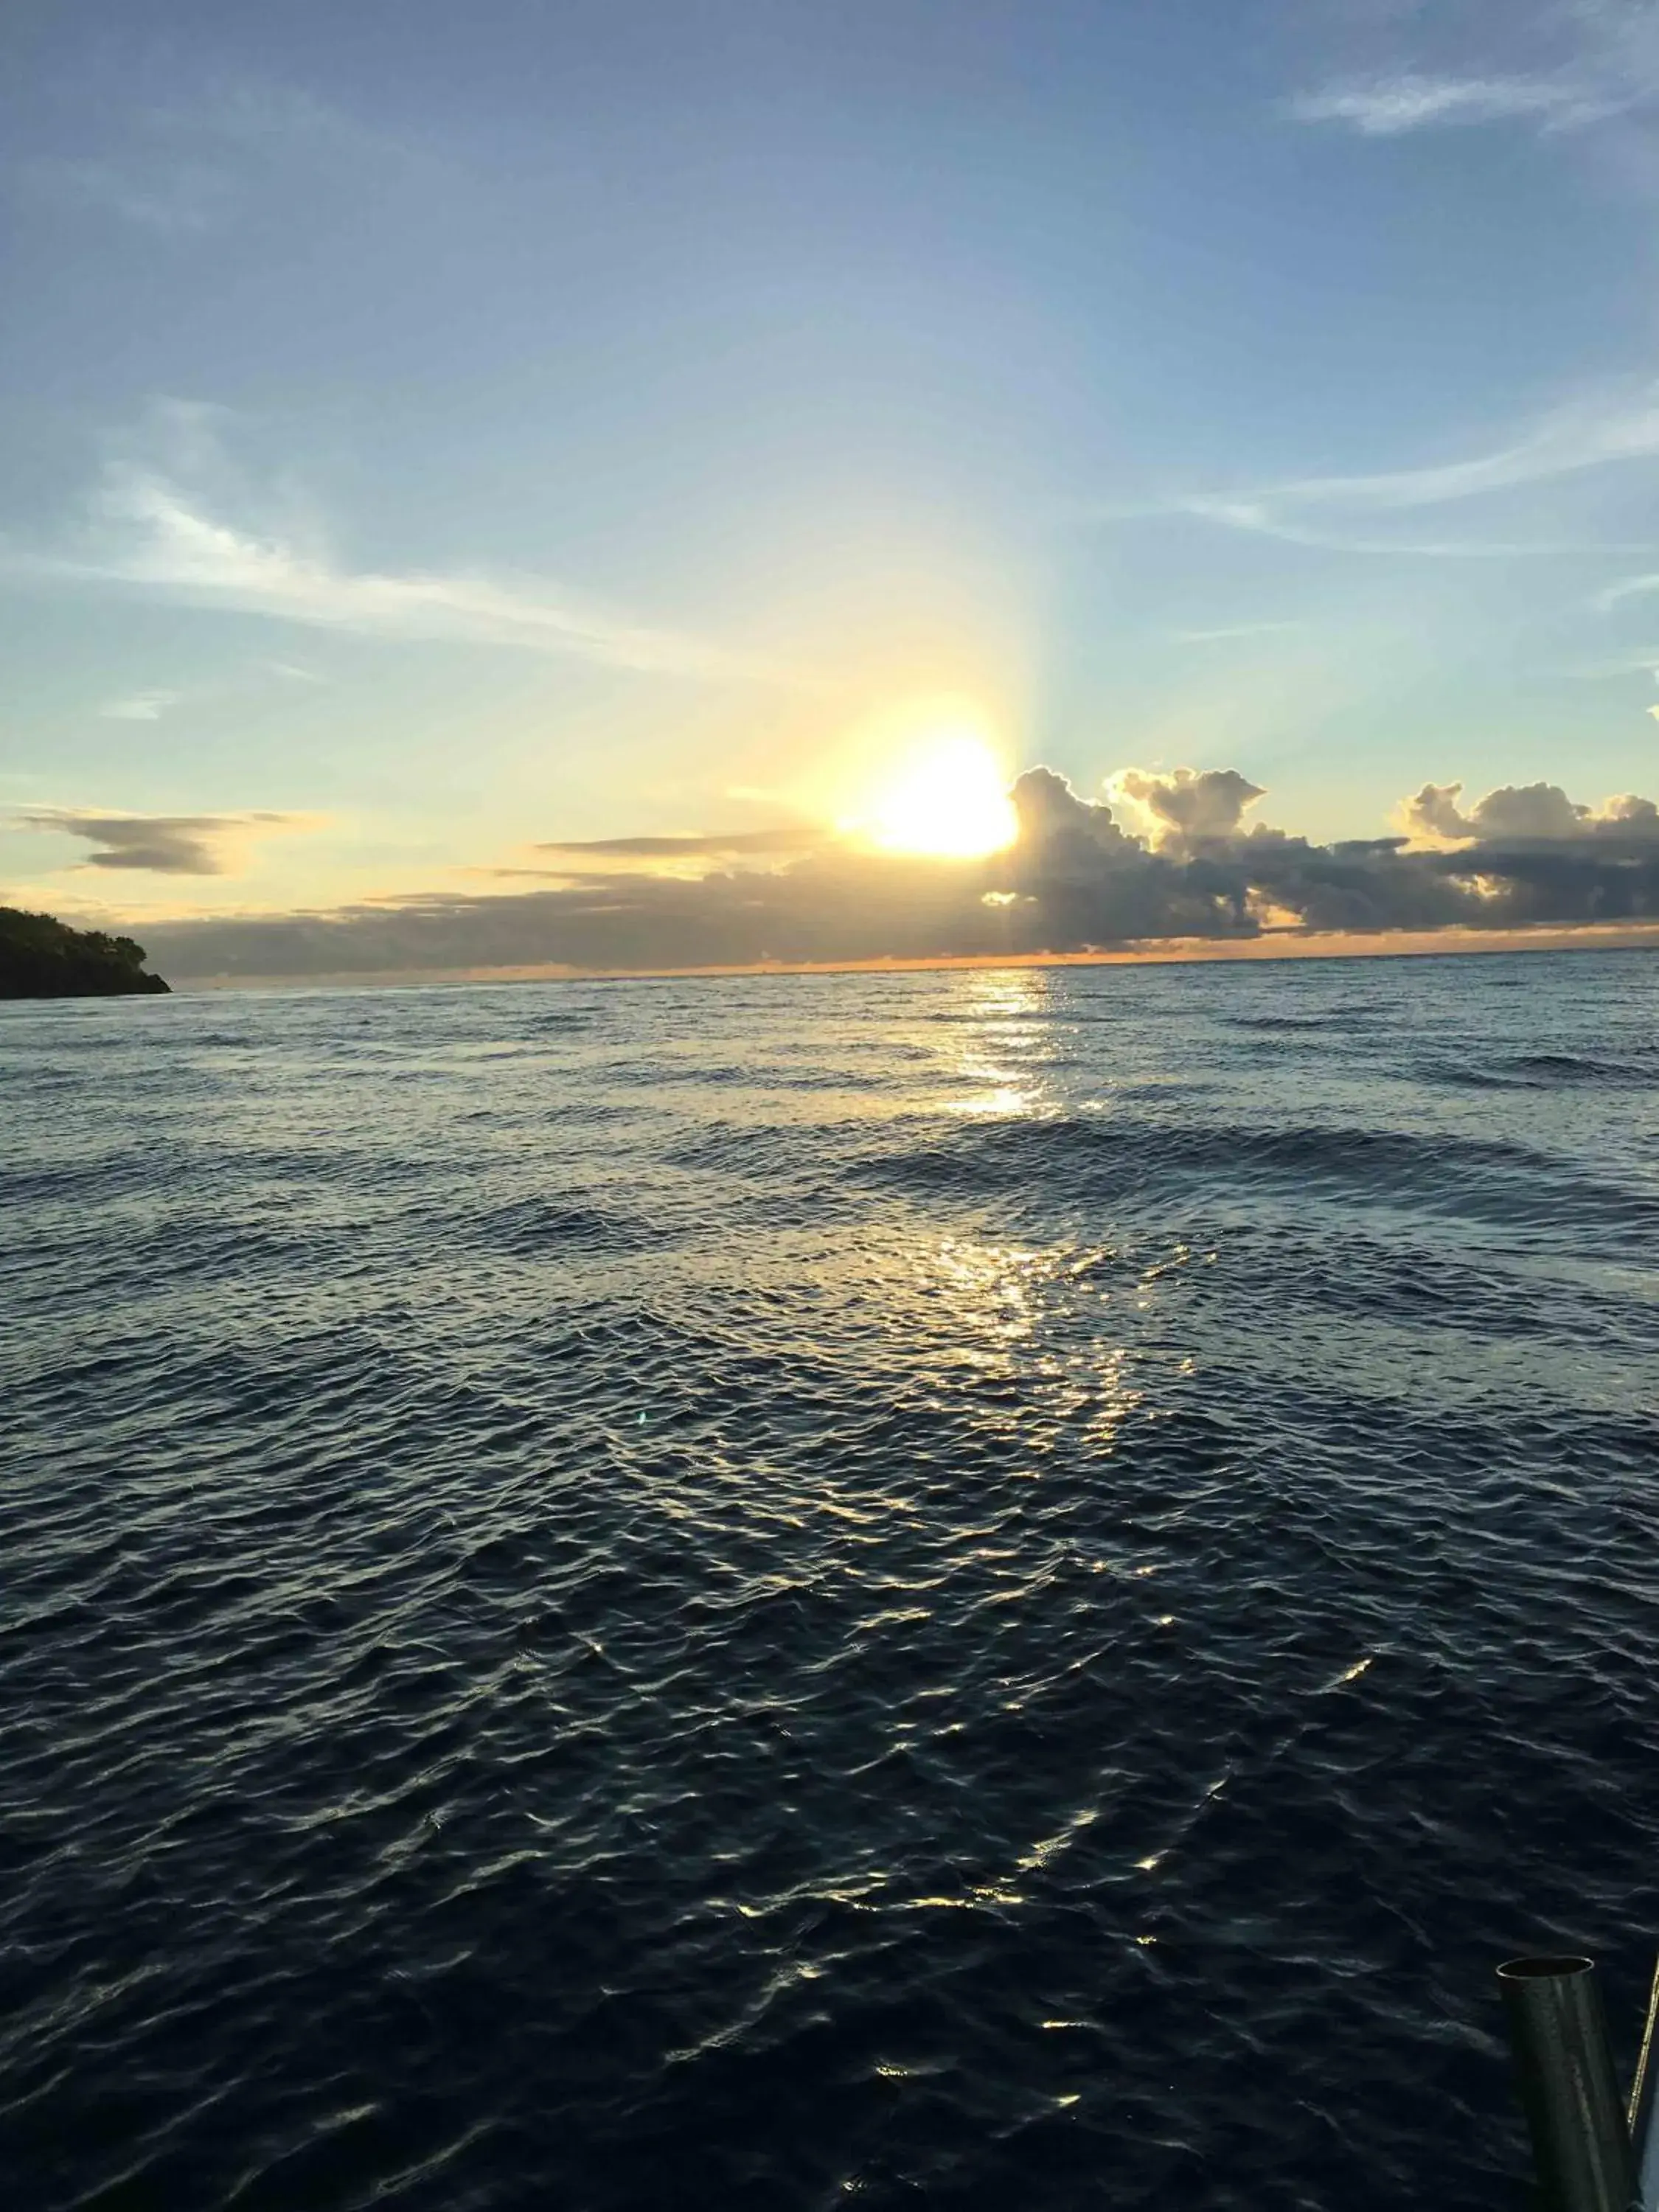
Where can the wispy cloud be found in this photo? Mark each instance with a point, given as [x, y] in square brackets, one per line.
[169, 199]
[152, 704]
[1387, 107]
[1588, 433]
[1263, 517]
[1630, 588]
[780, 840]
[161, 844]
[141, 707]
[1637, 660]
[191, 164]
[1229, 632]
[1557, 65]
[1338, 513]
[147, 530]
[281, 120]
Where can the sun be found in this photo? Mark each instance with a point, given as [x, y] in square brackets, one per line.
[944, 796]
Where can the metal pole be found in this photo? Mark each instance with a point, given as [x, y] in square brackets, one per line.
[1644, 2105]
[1564, 2060]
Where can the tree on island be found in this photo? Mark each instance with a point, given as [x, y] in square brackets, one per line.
[41, 958]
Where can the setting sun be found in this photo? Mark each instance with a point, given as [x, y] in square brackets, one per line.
[946, 795]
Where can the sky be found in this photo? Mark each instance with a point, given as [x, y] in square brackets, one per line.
[602, 481]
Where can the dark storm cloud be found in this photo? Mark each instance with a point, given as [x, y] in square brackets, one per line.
[163, 844]
[1075, 878]
[1609, 878]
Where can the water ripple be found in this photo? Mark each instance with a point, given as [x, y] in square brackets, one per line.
[1000, 1588]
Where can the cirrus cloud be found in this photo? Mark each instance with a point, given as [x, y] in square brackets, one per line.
[155, 524]
[1559, 66]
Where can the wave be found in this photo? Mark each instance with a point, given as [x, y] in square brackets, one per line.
[579, 1635]
[1542, 1071]
[539, 1225]
[1337, 1020]
[1074, 1160]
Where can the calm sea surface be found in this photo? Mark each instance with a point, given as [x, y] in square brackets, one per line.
[988, 1590]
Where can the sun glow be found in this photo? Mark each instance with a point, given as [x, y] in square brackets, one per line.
[946, 795]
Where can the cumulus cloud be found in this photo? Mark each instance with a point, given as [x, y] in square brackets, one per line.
[1629, 815]
[1075, 878]
[1532, 813]
[1188, 809]
[1059, 833]
[161, 844]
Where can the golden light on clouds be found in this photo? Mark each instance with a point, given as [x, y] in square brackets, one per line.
[943, 792]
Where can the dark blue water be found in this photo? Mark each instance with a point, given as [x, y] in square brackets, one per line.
[985, 1590]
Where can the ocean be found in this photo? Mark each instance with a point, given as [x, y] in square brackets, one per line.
[977, 1590]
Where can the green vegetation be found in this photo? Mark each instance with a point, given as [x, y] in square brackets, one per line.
[40, 958]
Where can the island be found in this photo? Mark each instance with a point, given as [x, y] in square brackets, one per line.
[42, 958]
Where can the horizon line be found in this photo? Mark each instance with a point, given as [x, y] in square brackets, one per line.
[1450, 943]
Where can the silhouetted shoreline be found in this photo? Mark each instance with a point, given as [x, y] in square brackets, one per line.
[43, 959]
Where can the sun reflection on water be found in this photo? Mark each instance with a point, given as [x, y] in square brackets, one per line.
[1005, 1048]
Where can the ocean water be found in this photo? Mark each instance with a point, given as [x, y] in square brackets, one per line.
[969, 1589]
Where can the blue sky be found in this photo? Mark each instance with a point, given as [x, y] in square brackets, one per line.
[425, 433]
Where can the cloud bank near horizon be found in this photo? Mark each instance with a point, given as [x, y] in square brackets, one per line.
[1163, 856]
